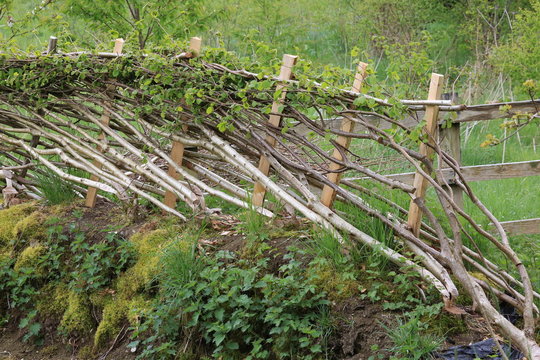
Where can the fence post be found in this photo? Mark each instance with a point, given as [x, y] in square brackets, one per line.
[91, 194]
[51, 49]
[347, 125]
[431, 129]
[451, 143]
[177, 151]
[259, 190]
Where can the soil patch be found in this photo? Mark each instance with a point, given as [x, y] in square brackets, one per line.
[12, 348]
[360, 326]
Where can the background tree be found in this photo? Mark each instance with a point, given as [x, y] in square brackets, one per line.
[519, 57]
[146, 21]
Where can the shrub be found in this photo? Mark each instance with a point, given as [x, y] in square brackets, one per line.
[240, 311]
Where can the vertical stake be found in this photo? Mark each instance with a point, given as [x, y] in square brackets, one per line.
[118, 46]
[431, 129]
[259, 190]
[347, 125]
[195, 44]
[177, 152]
[51, 49]
[91, 194]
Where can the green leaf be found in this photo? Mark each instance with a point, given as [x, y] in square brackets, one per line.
[218, 338]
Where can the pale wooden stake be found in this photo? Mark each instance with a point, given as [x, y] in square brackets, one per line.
[195, 44]
[328, 193]
[259, 190]
[118, 46]
[431, 129]
[91, 194]
[177, 152]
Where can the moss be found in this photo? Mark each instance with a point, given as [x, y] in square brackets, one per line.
[10, 217]
[127, 303]
[5, 256]
[138, 306]
[445, 324]
[53, 301]
[114, 313]
[86, 353]
[148, 243]
[28, 258]
[146, 268]
[77, 318]
[31, 227]
[278, 233]
[61, 210]
[99, 299]
[50, 350]
[137, 277]
[485, 279]
[335, 284]
[254, 249]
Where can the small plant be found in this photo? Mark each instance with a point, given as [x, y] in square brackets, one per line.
[254, 225]
[324, 244]
[55, 189]
[181, 260]
[411, 341]
[32, 327]
[256, 231]
[95, 265]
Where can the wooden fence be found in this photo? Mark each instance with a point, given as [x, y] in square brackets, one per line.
[428, 109]
[450, 138]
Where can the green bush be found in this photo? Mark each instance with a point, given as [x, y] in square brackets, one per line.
[66, 255]
[240, 310]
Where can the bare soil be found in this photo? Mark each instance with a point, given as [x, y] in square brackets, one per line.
[13, 348]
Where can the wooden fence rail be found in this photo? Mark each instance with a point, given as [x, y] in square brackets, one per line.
[477, 172]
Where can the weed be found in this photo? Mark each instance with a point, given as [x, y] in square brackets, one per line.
[180, 259]
[374, 228]
[254, 225]
[325, 245]
[410, 340]
[55, 189]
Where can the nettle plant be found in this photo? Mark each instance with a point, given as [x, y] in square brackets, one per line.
[66, 257]
[239, 309]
